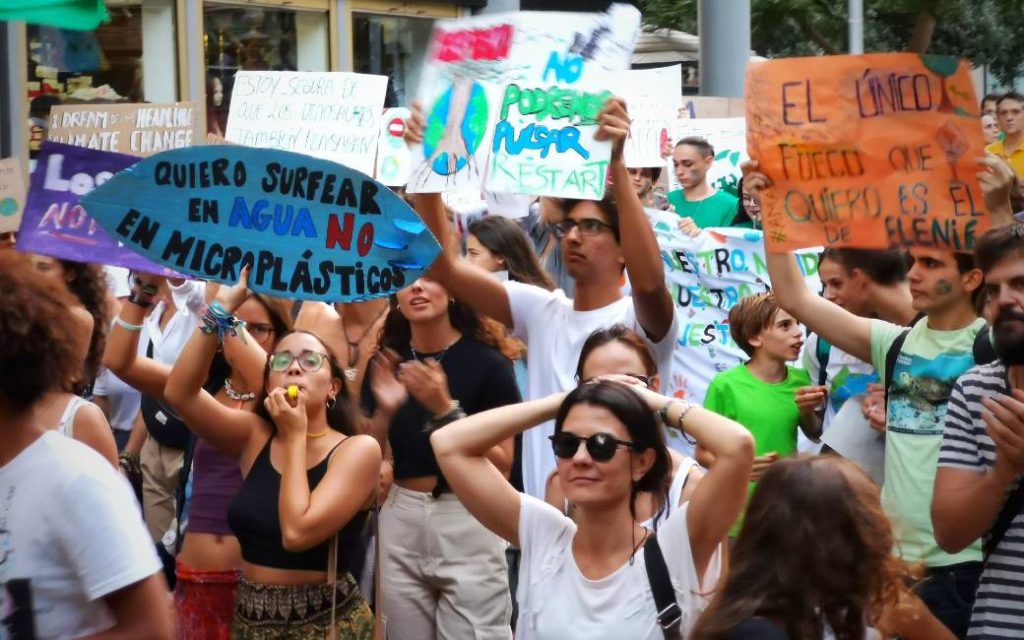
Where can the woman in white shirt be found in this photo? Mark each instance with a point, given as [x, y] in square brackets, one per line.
[588, 579]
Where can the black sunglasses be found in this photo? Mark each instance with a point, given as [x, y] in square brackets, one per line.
[600, 446]
[587, 226]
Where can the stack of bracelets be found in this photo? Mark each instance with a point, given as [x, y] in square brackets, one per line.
[220, 322]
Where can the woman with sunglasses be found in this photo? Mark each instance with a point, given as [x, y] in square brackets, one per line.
[619, 352]
[209, 559]
[587, 578]
[444, 576]
[301, 508]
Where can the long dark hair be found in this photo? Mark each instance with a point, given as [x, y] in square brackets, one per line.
[341, 416]
[505, 239]
[397, 332]
[641, 424]
[815, 551]
[624, 335]
[88, 283]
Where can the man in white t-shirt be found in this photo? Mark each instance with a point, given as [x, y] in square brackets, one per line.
[75, 558]
[599, 240]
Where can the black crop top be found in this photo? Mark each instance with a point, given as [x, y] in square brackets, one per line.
[255, 520]
[479, 377]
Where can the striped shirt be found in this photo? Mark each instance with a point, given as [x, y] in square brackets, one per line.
[999, 605]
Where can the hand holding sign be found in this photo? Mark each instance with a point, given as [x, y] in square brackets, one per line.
[613, 121]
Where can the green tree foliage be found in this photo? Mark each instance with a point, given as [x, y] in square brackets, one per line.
[985, 31]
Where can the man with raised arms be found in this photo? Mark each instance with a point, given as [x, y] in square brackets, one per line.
[598, 239]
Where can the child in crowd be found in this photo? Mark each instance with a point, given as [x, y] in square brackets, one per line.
[764, 394]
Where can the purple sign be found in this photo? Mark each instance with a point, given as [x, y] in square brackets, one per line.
[54, 222]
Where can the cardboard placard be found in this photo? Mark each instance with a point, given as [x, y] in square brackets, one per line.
[134, 129]
[12, 194]
[515, 97]
[875, 151]
[394, 160]
[329, 115]
[56, 223]
[652, 97]
[311, 229]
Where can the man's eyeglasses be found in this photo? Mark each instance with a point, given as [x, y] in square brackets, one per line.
[600, 446]
[587, 226]
[309, 361]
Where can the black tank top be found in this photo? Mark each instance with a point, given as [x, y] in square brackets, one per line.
[255, 520]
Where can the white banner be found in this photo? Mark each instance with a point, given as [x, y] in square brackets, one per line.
[335, 116]
[707, 276]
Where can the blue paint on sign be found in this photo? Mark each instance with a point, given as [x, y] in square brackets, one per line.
[311, 229]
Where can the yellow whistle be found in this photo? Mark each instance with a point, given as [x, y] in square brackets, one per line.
[293, 391]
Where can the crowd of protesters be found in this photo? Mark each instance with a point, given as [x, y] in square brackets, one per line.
[375, 469]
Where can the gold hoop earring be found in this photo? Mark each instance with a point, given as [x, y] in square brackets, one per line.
[331, 402]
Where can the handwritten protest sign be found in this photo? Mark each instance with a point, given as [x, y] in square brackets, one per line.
[56, 224]
[12, 195]
[135, 129]
[871, 151]
[515, 97]
[652, 96]
[394, 160]
[707, 276]
[333, 116]
[311, 229]
[728, 136]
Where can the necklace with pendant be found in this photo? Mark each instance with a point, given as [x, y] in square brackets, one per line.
[354, 352]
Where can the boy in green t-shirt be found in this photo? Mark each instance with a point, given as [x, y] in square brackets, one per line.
[697, 203]
[762, 393]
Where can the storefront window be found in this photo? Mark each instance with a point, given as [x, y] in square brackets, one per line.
[132, 58]
[393, 47]
[257, 39]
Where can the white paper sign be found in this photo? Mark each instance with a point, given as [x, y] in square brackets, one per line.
[652, 97]
[729, 138]
[514, 98]
[707, 276]
[394, 160]
[334, 116]
[851, 436]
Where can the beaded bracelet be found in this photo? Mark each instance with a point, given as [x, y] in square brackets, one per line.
[220, 322]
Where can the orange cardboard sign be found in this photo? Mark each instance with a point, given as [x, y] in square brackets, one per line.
[874, 151]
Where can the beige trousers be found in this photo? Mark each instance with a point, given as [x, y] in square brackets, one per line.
[161, 467]
[444, 574]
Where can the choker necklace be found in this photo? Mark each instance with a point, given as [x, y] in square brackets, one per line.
[437, 356]
[234, 395]
[320, 434]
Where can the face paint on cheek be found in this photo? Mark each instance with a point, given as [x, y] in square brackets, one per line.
[944, 288]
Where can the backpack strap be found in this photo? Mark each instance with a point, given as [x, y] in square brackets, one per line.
[1011, 508]
[669, 614]
[983, 350]
[823, 352]
[890, 360]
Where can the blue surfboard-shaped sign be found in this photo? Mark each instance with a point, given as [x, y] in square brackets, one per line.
[311, 229]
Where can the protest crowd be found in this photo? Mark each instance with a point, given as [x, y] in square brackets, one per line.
[786, 404]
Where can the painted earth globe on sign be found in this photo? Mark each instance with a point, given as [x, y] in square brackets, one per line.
[472, 126]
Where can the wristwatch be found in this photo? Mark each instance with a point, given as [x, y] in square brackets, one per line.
[663, 415]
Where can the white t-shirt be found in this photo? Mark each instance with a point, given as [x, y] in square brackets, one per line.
[554, 334]
[124, 399]
[556, 602]
[71, 532]
[170, 340]
[845, 376]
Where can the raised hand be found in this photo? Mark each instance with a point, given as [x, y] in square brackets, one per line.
[811, 399]
[427, 384]
[415, 125]
[389, 393]
[613, 121]
[232, 297]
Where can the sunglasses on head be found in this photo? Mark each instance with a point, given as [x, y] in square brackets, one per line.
[600, 446]
[308, 360]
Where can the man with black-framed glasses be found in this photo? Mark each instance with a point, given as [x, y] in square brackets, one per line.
[599, 240]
